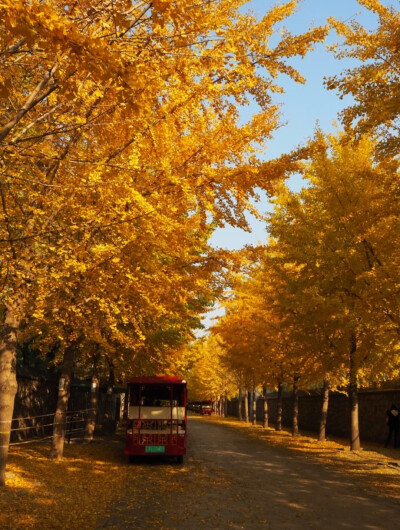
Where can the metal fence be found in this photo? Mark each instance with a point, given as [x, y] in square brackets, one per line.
[37, 428]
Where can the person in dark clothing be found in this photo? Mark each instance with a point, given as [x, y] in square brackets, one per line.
[393, 421]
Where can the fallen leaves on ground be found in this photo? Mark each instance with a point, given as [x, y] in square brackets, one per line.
[94, 487]
[162, 487]
[71, 493]
[377, 468]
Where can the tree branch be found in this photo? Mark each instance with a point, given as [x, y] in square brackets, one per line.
[31, 102]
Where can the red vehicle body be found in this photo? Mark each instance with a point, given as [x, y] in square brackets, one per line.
[156, 417]
[206, 409]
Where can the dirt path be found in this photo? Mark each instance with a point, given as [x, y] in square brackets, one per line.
[232, 481]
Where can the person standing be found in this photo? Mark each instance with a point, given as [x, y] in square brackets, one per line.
[393, 421]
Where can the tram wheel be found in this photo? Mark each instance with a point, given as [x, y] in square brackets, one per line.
[179, 459]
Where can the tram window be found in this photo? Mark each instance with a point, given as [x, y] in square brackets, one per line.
[156, 396]
[178, 396]
[134, 395]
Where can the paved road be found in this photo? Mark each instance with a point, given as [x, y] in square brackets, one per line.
[232, 481]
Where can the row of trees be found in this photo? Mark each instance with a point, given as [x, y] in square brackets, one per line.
[121, 149]
[318, 305]
[320, 302]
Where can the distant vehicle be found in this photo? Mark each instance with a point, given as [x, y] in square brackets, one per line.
[156, 417]
[206, 409]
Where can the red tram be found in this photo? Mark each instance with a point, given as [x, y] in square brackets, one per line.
[156, 417]
[206, 409]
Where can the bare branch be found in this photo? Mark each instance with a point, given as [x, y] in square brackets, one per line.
[31, 102]
[14, 48]
[34, 122]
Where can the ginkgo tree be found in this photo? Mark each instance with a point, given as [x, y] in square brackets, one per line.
[208, 380]
[340, 230]
[242, 331]
[260, 332]
[289, 359]
[375, 83]
[242, 347]
[122, 112]
[321, 300]
[144, 305]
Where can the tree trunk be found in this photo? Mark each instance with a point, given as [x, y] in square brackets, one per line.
[60, 417]
[109, 421]
[94, 401]
[225, 406]
[240, 416]
[246, 406]
[278, 426]
[222, 406]
[254, 408]
[8, 383]
[324, 409]
[295, 424]
[353, 394]
[265, 408]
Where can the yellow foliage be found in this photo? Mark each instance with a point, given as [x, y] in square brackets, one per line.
[122, 147]
[374, 84]
[328, 279]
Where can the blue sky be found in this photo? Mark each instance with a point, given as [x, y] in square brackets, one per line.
[302, 105]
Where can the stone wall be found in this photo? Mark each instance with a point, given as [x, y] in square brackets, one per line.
[372, 413]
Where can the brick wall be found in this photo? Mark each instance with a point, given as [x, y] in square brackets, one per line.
[372, 413]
